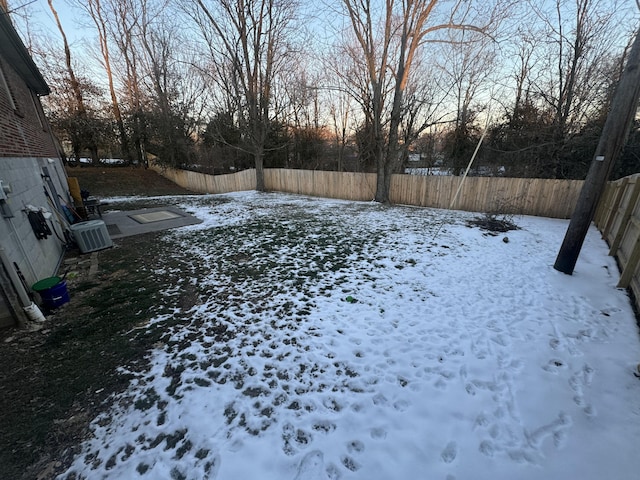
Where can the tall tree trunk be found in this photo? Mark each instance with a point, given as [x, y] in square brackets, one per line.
[139, 125]
[382, 189]
[259, 162]
[94, 8]
[158, 69]
[77, 94]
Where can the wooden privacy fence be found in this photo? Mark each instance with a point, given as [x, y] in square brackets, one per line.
[522, 196]
[202, 183]
[526, 196]
[618, 218]
[317, 183]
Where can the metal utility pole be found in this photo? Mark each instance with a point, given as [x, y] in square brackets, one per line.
[614, 135]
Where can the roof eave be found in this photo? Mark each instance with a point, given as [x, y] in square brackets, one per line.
[18, 56]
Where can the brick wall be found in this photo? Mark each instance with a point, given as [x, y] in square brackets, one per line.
[24, 130]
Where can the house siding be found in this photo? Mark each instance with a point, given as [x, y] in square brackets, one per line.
[31, 168]
[35, 258]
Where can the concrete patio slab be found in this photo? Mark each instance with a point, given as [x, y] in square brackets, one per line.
[135, 222]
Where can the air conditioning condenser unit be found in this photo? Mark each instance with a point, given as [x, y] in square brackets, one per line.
[91, 235]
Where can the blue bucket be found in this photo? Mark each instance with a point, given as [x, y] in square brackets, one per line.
[53, 292]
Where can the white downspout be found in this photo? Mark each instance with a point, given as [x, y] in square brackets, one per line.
[21, 246]
[31, 309]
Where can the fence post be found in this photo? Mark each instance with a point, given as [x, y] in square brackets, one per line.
[610, 208]
[632, 261]
[625, 217]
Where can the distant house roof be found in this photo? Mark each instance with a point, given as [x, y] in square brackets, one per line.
[14, 51]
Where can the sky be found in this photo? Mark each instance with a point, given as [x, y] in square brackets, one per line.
[41, 19]
[79, 29]
[488, 100]
[351, 340]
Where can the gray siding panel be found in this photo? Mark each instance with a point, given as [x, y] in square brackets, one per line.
[35, 258]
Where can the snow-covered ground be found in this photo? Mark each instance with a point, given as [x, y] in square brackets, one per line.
[336, 339]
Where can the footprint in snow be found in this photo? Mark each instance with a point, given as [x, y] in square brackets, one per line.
[587, 374]
[355, 446]
[487, 448]
[349, 463]
[557, 430]
[554, 366]
[578, 381]
[212, 466]
[324, 426]
[378, 433]
[311, 467]
[450, 452]
[471, 389]
[555, 343]
[401, 405]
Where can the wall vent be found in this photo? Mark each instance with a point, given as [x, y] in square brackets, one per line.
[91, 235]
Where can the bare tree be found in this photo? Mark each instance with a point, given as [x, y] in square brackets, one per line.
[82, 137]
[389, 41]
[423, 107]
[155, 95]
[341, 112]
[467, 64]
[299, 104]
[252, 38]
[126, 16]
[525, 61]
[158, 48]
[95, 11]
[579, 36]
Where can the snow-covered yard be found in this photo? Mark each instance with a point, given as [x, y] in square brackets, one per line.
[334, 339]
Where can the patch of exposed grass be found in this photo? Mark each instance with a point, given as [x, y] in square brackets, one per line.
[57, 380]
[284, 249]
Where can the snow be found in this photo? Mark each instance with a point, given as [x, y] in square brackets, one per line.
[336, 339]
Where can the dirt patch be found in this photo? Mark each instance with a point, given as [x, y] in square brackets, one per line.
[59, 375]
[57, 378]
[117, 181]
